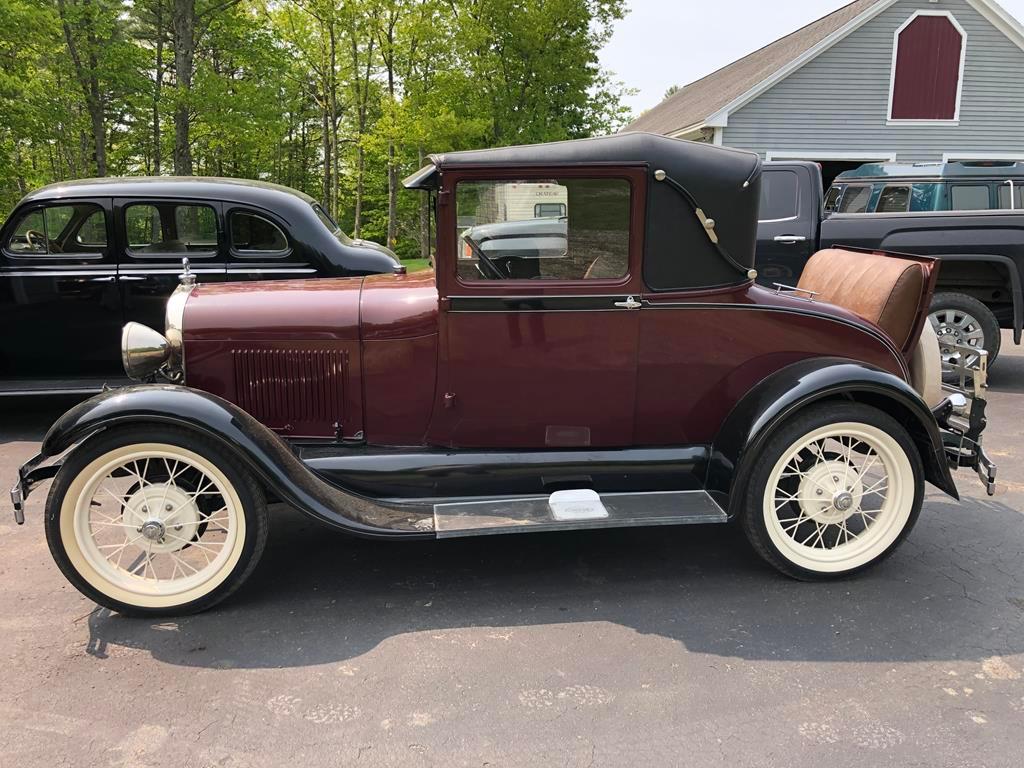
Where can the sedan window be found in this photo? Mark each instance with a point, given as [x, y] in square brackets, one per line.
[60, 229]
[158, 228]
[255, 235]
[501, 237]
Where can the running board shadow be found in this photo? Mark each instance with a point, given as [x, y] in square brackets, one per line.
[534, 513]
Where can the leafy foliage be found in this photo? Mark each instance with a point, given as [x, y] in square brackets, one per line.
[338, 98]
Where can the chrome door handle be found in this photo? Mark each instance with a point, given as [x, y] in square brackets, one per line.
[629, 303]
[130, 278]
[108, 279]
[790, 239]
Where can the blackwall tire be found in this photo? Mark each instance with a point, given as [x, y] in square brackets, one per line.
[195, 518]
[834, 491]
[957, 316]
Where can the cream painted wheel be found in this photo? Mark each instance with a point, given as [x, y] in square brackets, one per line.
[836, 493]
[153, 527]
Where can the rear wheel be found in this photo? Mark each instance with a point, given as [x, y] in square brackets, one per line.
[834, 491]
[961, 319]
[155, 521]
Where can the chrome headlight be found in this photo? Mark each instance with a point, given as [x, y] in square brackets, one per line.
[143, 351]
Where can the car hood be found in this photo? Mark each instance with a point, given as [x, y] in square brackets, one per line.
[326, 308]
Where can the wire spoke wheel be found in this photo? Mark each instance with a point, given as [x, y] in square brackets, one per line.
[838, 497]
[151, 526]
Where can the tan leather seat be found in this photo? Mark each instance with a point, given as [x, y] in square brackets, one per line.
[883, 289]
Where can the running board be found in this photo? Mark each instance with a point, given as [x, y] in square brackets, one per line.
[538, 513]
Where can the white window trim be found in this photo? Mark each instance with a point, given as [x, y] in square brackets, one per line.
[968, 156]
[813, 155]
[960, 76]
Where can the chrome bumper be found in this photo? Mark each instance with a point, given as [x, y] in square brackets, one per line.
[961, 416]
[30, 474]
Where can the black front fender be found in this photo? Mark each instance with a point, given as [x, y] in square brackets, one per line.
[269, 457]
[766, 406]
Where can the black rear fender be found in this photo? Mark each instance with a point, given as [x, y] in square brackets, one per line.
[753, 420]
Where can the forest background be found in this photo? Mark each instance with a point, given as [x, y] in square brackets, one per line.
[337, 98]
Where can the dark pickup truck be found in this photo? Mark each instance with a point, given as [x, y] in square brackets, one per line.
[982, 252]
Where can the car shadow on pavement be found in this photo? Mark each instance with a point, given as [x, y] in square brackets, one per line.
[954, 591]
[1007, 375]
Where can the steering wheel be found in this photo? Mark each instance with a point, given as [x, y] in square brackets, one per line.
[32, 235]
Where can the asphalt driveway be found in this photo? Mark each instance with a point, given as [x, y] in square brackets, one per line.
[664, 647]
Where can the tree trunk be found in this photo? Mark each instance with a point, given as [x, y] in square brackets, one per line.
[183, 25]
[88, 81]
[333, 79]
[325, 124]
[424, 217]
[392, 167]
[157, 85]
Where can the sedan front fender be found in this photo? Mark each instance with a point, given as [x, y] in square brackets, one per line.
[755, 417]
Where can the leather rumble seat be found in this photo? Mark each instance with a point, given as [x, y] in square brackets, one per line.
[883, 289]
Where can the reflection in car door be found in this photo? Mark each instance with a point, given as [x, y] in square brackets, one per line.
[59, 305]
[154, 235]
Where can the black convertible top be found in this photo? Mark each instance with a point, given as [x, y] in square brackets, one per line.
[724, 183]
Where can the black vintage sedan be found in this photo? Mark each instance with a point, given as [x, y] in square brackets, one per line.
[80, 259]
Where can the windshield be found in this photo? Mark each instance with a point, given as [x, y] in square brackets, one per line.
[329, 223]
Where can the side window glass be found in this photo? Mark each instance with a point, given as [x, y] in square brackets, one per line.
[894, 200]
[161, 228]
[832, 199]
[780, 196]
[60, 229]
[924, 197]
[29, 235]
[968, 197]
[93, 232]
[856, 199]
[501, 237]
[1018, 196]
[548, 210]
[256, 235]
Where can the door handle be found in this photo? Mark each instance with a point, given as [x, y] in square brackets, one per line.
[790, 239]
[108, 279]
[130, 278]
[629, 303]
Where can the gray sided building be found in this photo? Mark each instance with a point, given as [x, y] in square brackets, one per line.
[877, 80]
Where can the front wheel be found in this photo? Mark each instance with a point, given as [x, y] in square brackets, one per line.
[154, 520]
[834, 491]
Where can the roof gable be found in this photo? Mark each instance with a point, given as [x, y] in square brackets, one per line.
[707, 102]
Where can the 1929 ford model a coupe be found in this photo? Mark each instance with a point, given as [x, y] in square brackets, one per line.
[591, 352]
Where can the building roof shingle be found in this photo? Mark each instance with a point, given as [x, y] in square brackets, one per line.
[694, 103]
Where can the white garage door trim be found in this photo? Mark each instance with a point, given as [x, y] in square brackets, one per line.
[864, 157]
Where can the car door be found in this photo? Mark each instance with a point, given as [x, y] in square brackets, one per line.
[787, 224]
[154, 235]
[539, 314]
[59, 305]
[260, 247]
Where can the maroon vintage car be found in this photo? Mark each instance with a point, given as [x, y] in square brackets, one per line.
[591, 351]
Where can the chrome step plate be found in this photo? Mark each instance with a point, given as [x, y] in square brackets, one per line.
[480, 517]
